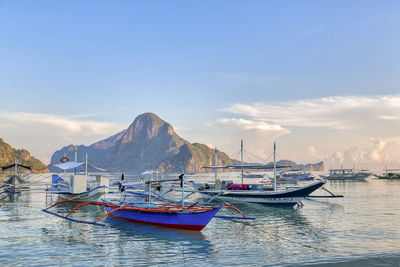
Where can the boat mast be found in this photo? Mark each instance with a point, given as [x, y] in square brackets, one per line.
[65, 154]
[86, 164]
[15, 166]
[149, 194]
[183, 191]
[241, 156]
[215, 164]
[76, 157]
[274, 167]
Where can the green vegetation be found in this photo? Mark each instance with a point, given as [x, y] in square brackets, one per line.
[192, 158]
[8, 155]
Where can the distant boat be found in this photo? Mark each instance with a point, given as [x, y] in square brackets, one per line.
[390, 174]
[253, 175]
[16, 178]
[256, 193]
[345, 174]
[76, 186]
[14, 182]
[295, 176]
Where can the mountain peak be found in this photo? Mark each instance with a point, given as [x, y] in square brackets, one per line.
[146, 126]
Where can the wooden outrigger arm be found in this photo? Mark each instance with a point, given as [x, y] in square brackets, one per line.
[234, 217]
[116, 208]
[331, 195]
[9, 190]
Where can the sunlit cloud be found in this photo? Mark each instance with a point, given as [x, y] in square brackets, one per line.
[312, 151]
[42, 134]
[257, 136]
[337, 112]
[69, 126]
[249, 125]
[377, 153]
[317, 121]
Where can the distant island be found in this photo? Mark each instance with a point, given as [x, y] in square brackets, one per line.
[8, 155]
[303, 167]
[150, 143]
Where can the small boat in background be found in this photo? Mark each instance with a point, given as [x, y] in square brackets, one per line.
[16, 178]
[390, 174]
[14, 182]
[253, 175]
[293, 176]
[345, 174]
[76, 186]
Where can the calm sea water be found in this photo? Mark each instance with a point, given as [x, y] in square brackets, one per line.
[361, 229]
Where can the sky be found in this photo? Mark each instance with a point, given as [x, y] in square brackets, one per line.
[321, 78]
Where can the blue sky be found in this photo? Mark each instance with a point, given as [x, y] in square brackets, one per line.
[101, 63]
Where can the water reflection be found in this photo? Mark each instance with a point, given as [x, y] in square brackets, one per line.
[195, 241]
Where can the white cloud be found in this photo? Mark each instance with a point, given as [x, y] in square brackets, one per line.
[388, 118]
[312, 151]
[314, 125]
[249, 125]
[257, 135]
[42, 134]
[376, 154]
[69, 126]
[336, 112]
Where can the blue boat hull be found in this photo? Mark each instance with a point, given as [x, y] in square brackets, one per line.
[181, 220]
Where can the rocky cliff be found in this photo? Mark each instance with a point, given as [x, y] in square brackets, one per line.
[194, 157]
[148, 143]
[8, 155]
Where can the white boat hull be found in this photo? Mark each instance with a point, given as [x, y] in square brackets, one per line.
[90, 195]
[289, 197]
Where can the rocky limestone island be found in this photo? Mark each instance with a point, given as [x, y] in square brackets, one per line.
[314, 167]
[149, 143]
[8, 155]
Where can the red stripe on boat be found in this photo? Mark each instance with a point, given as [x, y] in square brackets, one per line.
[177, 226]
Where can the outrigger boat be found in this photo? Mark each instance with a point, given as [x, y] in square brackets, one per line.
[390, 174]
[346, 175]
[256, 193]
[181, 216]
[253, 175]
[295, 176]
[77, 187]
[15, 178]
[11, 185]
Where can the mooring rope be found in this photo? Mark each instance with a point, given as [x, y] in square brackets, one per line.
[304, 245]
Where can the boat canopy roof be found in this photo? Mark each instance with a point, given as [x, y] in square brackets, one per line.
[69, 165]
[151, 172]
[12, 166]
[248, 166]
[149, 182]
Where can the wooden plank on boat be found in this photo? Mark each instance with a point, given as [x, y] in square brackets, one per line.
[73, 219]
[335, 196]
[234, 217]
